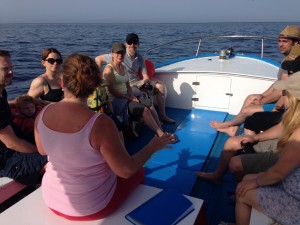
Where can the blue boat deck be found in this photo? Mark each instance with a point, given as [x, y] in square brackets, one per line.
[198, 149]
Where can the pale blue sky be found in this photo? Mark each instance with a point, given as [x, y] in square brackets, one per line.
[156, 11]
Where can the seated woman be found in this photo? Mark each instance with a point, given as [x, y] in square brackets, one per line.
[122, 96]
[24, 115]
[90, 173]
[47, 86]
[276, 192]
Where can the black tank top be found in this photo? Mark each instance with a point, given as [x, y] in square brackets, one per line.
[53, 95]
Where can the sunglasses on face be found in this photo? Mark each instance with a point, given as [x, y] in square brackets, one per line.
[135, 42]
[52, 61]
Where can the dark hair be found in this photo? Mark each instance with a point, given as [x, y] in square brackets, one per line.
[80, 74]
[297, 40]
[4, 53]
[47, 51]
[24, 99]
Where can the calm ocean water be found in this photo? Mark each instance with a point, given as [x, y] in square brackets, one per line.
[26, 41]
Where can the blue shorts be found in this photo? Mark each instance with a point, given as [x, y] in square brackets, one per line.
[23, 167]
[268, 107]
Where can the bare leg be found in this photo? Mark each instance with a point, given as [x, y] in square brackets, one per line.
[151, 123]
[161, 95]
[248, 132]
[230, 131]
[244, 205]
[155, 116]
[236, 167]
[229, 150]
[236, 121]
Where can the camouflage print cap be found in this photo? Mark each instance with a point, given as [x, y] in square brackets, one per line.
[290, 32]
[294, 53]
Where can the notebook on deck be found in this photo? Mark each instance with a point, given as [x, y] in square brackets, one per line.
[168, 207]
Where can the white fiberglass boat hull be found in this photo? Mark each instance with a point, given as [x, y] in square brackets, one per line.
[215, 84]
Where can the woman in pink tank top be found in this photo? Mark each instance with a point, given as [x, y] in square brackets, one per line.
[89, 173]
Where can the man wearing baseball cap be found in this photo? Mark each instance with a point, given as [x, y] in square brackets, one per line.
[135, 62]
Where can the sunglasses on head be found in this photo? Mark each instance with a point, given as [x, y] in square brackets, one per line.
[52, 61]
[130, 42]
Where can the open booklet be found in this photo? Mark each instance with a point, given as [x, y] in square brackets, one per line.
[168, 207]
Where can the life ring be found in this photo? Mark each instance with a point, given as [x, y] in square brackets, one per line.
[150, 69]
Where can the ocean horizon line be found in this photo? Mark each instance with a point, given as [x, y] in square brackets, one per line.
[119, 23]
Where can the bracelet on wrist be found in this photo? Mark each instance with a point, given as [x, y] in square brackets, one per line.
[256, 181]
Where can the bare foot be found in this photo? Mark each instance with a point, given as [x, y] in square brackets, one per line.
[231, 131]
[167, 120]
[217, 125]
[210, 176]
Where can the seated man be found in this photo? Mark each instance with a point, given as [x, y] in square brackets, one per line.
[288, 38]
[261, 121]
[19, 159]
[264, 143]
[134, 62]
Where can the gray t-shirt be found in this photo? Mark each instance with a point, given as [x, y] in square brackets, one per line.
[280, 73]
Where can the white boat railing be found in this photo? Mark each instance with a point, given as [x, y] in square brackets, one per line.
[201, 38]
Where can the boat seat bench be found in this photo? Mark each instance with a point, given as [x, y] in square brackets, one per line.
[8, 188]
[33, 211]
[175, 168]
[259, 218]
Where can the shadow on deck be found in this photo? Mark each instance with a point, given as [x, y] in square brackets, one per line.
[217, 198]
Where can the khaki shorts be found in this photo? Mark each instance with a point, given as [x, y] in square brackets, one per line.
[258, 162]
[262, 160]
[266, 146]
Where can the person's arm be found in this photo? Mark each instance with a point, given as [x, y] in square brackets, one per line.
[36, 88]
[270, 134]
[258, 97]
[111, 80]
[114, 152]
[273, 96]
[289, 159]
[280, 104]
[130, 92]
[37, 138]
[144, 72]
[100, 60]
[146, 78]
[8, 137]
